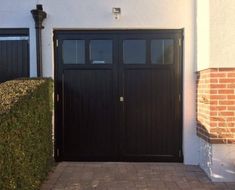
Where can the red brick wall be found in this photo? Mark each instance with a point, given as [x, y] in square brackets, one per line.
[216, 105]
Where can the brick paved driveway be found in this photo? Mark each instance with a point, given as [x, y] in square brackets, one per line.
[129, 176]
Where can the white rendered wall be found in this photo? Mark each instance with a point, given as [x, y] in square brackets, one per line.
[94, 14]
[222, 33]
[215, 34]
[218, 161]
[203, 34]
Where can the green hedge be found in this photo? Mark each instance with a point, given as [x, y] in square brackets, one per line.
[25, 133]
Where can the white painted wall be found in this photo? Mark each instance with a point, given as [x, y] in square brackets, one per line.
[215, 34]
[93, 14]
[203, 34]
[218, 161]
[222, 33]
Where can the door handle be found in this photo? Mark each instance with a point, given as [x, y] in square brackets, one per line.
[121, 99]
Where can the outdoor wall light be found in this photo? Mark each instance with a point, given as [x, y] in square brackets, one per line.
[116, 12]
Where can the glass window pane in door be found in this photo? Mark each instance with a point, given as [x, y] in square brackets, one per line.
[73, 51]
[162, 51]
[101, 51]
[134, 51]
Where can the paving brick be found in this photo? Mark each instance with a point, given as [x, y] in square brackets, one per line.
[129, 176]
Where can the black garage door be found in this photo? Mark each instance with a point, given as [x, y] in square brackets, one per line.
[14, 54]
[118, 95]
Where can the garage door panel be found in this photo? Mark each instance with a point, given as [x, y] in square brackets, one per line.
[148, 113]
[163, 123]
[137, 89]
[14, 59]
[88, 115]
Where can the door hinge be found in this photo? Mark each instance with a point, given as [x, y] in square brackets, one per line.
[121, 99]
[180, 41]
[180, 153]
[57, 97]
[57, 152]
[57, 43]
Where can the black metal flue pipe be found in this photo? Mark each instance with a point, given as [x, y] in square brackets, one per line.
[39, 15]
